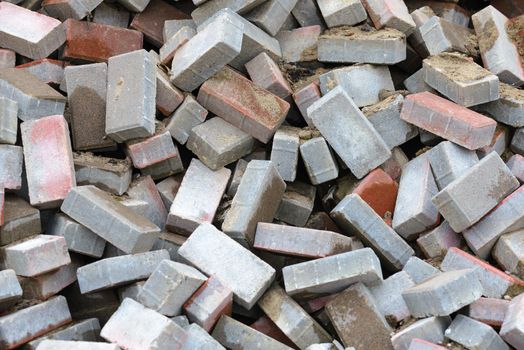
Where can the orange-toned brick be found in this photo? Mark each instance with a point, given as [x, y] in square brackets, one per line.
[378, 190]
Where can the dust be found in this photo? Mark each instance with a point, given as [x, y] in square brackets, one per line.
[510, 92]
[458, 68]
[489, 35]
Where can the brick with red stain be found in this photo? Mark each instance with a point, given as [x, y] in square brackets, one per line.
[378, 190]
[491, 311]
[305, 97]
[212, 300]
[152, 150]
[46, 69]
[96, 42]
[7, 58]
[48, 160]
[421, 344]
[151, 21]
[265, 326]
[240, 102]
[448, 120]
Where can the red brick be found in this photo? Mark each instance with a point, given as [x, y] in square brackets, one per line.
[265, 326]
[240, 102]
[151, 150]
[151, 20]
[379, 191]
[448, 120]
[491, 311]
[97, 42]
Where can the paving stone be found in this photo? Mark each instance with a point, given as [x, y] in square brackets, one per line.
[256, 200]
[85, 330]
[168, 97]
[188, 115]
[437, 241]
[44, 35]
[499, 142]
[109, 174]
[292, 320]
[297, 204]
[21, 220]
[8, 120]
[151, 150]
[298, 44]
[304, 98]
[461, 80]
[240, 102]
[100, 305]
[130, 291]
[431, 297]
[449, 120]
[495, 283]
[168, 188]
[271, 15]
[358, 320]
[284, 152]
[111, 15]
[415, 83]
[31, 322]
[198, 338]
[337, 13]
[362, 45]
[318, 159]
[218, 143]
[429, 329]
[491, 311]
[95, 209]
[51, 283]
[440, 35]
[172, 26]
[164, 169]
[460, 212]
[420, 344]
[7, 58]
[11, 291]
[390, 13]
[134, 5]
[269, 328]
[265, 73]
[75, 345]
[474, 334]
[207, 9]
[387, 295]
[88, 41]
[12, 160]
[75, 9]
[47, 70]
[307, 14]
[508, 252]
[170, 285]
[137, 70]
[35, 98]
[517, 141]
[117, 271]
[508, 108]
[354, 215]
[173, 43]
[144, 188]
[134, 326]
[512, 328]
[419, 270]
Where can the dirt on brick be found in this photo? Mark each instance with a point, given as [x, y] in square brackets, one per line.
[362, 32]
[487, 41]
[459, 68]
[510, 92]
[515, 30]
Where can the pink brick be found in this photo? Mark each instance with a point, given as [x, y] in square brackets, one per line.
[489, 310]
[7, 58]
[421, 344]
[305, 97]
[29, 33]
[448, 120]
[47, 70]
[48, 160]
[240, 102]
[152, 150]
[265, 73]
[209, 303]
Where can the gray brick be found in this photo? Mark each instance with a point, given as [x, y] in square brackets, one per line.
[449, 161]
[461, 80]
[354, 215]
[284, 152]
[198, 197]
[292, 320]
[172, 26]
[8, 120]
[337, 13]
[509, 252]
[512, 330]
[323, 276]
[387, 295]
[200, 339]
[48, 284]
[12, 159]
[474, 334]
[76, 9]
[75, 345]
[439, 36]
[256, 200]
[437, 241]
[239, 269]
[168, 189]
[217, 143]
[415, 83]
[297, 204]
[209, 8]
[151, 150]
[188, 115]
[443, 294]
[298, 45]
[111, 15]
[168, 97]
[318, 159]
[271, 14]
[35, 98]
[265, 73]
[509, 108]
[170, 285]
[419, 270]
[130, 291]
[236, 178]
[357, 45]
[387, 13]
[207, 52]
[85, 330]
[144, 188]
[430, 329]
[490, 311]
[175, 42]
[131, 77]
[517, 142]
[96, 210]
[117, 271]
[307, 14]
[467, 199]
[164, 169]
[10, 292]
[21, 220]
[134, 5]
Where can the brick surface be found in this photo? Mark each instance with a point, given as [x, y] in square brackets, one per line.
[188, 115]
[271, 15]
[168, 188]
[144, 188]
[152, 150]
[134, 5]
[429, 329]
[517, 141]
[111, 15]
[236, 177]
[198, 338]
[86, 330]
[75, 345]
[321, 165]
[339, 14]
[95, 209]
[439, 35]
[240, 102]
[419, 270]
[47, 70]
[387, 295]
[509, 254]
[474, 334]
[12, 159]
[173, 43]
[449, 120]
[48, 284]
[491, 311]
[297, 204]
[390, 13]
[498, 144]
[7, 58]
[304, 98]
[64, 9]
[21, 220]
[415, 83]
[265, 73]
[11, 291]
[296, 43]
[420, 344]
[508, 108]
[168, 97]
[512, 330]
[449, 161]
[164, 169]
[48, 160]
[284, 152]
[307, 14]
[437, 241]
[172, 26]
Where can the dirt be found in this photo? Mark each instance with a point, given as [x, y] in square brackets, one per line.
[301, 74]
[458, 68]
[309, 54]
[112, 164]
[308, 133]
[362, 32]
[515, 30]
[510, 92]
[385, 103]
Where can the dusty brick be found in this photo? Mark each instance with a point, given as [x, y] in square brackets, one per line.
[474, 334]
[429, 329]
[11, 291]
[319, 161]
[284, 152]
[271, 15]
[143, 188]
[305, 97]
[508, 108]
[172, 26]
[111, 15]
[509, 254]
[491, 311]
[168, 188]
[21, 220]
[86, 330]
[420, 344]
[172, 44]
[7, 58]
[415, 83]
[164, 169]
[168, 97]
[338, 13]
[12, 160]
[152, 150]
[47, 70]
[498, 144]
[296, 44]
[208, 8]
[439, 35]
[437, 241]
[512, 330]
[387, 295]
[76, 345]
[419, 270]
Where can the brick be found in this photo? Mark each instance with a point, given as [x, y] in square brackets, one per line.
[134, 5]
[64, 9]
[87, 90]
[198, 338]
[172, 26]
[297, 204]
[86, 330]
[164, 169]
[491, 311]
[508, 108]
[415, 83]
[109, 174]
[358, 320]
[7, 58]
[31, 322]
[431, 297]
[449, 161]
[362, 45]
[130, 291]
[75, 345]
[152, 150]
[509, 254]
[12, 160]
[499, 143]
[420, 344]
[318, 159]
[387, 295]
[305, 97]
[88, 41]
[430, 329]
[47, 70]
[170, 285]
[134, 326]
[256, 200]
[390, 13]
[168, 188]
[206, 306]
[449, 120]
[2, 205]
[188, 115]
[461, 80]
[44, 36]
[20, 220]
[11, 291]
[271, 15]
[236, 177]
[499, 53]
[111, 15]
[495, 283]
[474, 334]
[117, 271]
[221, 40]
[240, 102]
[437, 241]
[173, 43]
[218, 143]
[449, 11]
[209, 8]
[453, 201]
[517, 141]
[95, 209]
[439, 35]
[512, 330]
[298, 45]
[100, 305]
[248, 277]
[144, 188]
[339, 14]
[320, 276]
[48, 284]
[266, 326]
[265, 73]
[151, 20]
[35, 98]
[307, 14]
[393, 166]
[234, 334]
[284, 152]
[354, 215]
[292, 320]
[419, 270]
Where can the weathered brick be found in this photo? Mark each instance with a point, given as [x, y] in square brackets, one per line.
[48, 284]
[509, 108]
[439, 35]
[319, 161]
[420, 344]
[284, 152]
[86, 330]
[20, 220]
[305, 97]
[512, 330]
[498, 144]
[188, 115]
[271, 15]
[236, 178]
[509, 254]
[168, 97]
[265, 73]
[12, 159]
[134, 5]
[164, 169]
[11, 291]
[429, 329]
[338, 14]
[111, 15]
[64, 9]
[152, 150]
[491, 311]
[8, 120]
[168, 188]
[419, 270]
[172, 44]
[517, 141]
[143, 188]
[172, 26]
[474, 334]
[198, 338]
[390, 13]
[387, 295]
[415, 83]
[75, 345]
[7, 58]
[437, 241]
[449, 161]
[47, 70]
[297, 204]
[297, 44]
